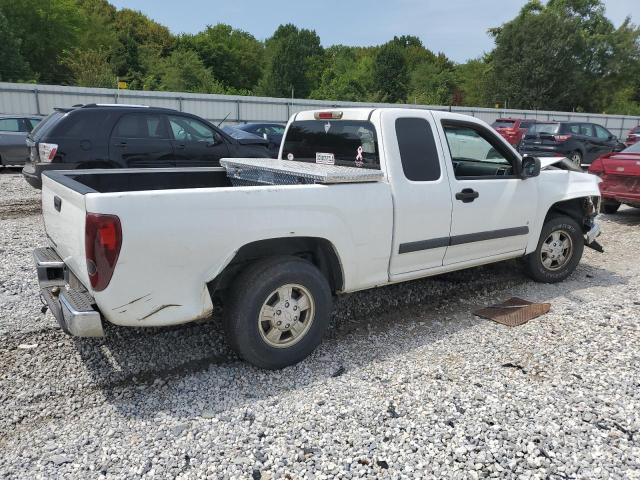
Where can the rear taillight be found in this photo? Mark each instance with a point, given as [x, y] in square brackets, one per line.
[102, 242]
[561, 138]
[47, 151]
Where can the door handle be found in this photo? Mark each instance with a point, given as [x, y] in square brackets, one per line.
[467, 195]
[181, 146]
[122, 145]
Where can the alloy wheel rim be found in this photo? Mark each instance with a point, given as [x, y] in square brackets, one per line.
[286, 316]
[556, 250]
[575, 158]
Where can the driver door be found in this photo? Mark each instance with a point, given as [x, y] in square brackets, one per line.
[492, 207]
[196, 144]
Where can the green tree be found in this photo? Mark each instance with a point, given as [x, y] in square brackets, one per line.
[346, 75]
[140, 41]
[46, 30]
[472, 83]
[566, 55]
[294, 59]
[13, 66]
[390, 74]
[182, 71]
[234, 56]
[91, 68]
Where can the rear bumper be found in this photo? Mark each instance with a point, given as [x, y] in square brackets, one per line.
[69, 302]
[32, 173]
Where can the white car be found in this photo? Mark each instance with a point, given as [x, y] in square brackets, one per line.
[360, 198]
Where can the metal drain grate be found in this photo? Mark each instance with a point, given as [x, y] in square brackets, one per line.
[514, 312]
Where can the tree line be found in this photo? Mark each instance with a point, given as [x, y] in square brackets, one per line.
[562, 55]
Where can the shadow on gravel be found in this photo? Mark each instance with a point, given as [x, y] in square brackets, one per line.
[149, 368]
[10, 170]
[625, 216]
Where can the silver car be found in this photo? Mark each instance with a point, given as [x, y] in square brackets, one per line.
[13, 135]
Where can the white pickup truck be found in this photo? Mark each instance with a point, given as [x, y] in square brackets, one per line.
[359, 198]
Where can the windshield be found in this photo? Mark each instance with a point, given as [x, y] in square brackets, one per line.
[635, 148]
[503, 124]
[544, 128]
[348, 143]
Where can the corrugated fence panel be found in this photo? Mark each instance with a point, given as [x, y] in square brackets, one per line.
[22, 98]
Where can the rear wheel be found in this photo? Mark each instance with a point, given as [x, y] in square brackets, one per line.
[278, 312]
[576, 158]
[610, 206]
[559, 251]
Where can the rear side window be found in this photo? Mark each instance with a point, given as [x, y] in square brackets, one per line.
[418, 152]
[46, 125]
[9, 125]
[83, 124]
[503, 124]
[348, 143]
[141, 126]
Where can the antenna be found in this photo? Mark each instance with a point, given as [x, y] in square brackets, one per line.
[222, 121]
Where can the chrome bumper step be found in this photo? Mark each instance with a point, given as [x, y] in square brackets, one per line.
[72, 307]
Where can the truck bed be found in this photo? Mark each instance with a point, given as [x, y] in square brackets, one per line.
[136, 180]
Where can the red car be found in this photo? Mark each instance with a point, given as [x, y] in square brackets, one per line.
[620, 173]
[633, 136]
[512, 129]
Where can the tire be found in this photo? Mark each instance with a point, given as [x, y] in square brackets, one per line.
[271, 287]
[576, 158]
[551, 263]
[610, 206]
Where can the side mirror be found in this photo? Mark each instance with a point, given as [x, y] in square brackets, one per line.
[265, 136]
[530, 167]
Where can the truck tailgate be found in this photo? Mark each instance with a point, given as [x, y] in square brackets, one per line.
[63, 210]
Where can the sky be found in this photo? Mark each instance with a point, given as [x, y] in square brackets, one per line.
[456, 27]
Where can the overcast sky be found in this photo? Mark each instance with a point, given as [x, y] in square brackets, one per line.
[456, 27]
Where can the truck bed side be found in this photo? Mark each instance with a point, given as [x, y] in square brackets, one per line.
[176, 241]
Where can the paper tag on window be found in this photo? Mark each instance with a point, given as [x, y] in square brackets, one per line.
[326, 158]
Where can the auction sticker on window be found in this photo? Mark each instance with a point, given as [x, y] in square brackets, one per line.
[326, 158]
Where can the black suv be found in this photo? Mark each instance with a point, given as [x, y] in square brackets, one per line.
[581, 142]
[123, 136]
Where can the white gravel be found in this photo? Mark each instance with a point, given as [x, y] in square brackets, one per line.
[408, 384]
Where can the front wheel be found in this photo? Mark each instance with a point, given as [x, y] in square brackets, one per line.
[559, 251]
[278, 312]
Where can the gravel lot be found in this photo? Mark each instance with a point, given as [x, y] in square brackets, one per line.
[408, 383]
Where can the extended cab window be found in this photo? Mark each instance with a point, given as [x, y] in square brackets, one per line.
[349, 143]
[474, 153]
[418, 152]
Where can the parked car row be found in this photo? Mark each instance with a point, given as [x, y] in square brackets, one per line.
[581, 142]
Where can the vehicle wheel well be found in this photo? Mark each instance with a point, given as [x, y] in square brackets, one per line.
[576, 208]
[318, 251]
